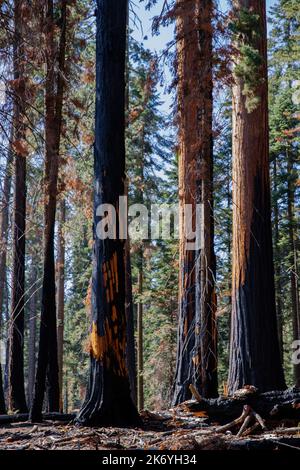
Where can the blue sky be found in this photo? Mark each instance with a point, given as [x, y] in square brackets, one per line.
[158, 43]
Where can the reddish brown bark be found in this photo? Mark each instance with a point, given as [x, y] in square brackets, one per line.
[196, 350]
[255, 355]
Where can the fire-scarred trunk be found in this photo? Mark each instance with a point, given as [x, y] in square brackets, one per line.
[17, 400]
[108, 399]
[47, 363]
[196, 346]
[255, 354]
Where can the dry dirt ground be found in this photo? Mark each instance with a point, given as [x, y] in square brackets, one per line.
[161, 431]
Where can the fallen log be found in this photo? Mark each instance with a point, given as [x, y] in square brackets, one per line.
[273, 405]
[22, 417]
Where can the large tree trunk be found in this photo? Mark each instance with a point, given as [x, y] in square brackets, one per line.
[140, 342]
[61, 298]
[17, 400]
[47, 364]
[140, 281]
[205, 351]
[108, 400]
[274, 405]
[196, 349]
[186, 46]
[255, 355]
[293, 258]
[32, 332]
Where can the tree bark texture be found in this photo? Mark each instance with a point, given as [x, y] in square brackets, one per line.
[196, 344]
[205, 351]
[108, 400]
[61, 298]
[16, 392]
[47, 364]
[32, 332]
[255, 355]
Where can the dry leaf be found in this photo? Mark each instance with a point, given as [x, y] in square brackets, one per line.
[21, 148]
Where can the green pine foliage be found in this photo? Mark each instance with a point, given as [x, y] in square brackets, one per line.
[245, 29]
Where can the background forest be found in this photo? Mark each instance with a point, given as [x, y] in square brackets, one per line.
[152, 175]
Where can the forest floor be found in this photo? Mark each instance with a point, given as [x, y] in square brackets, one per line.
[169, 430]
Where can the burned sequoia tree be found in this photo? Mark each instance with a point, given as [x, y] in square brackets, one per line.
[17, 400]
[196, 345]
[255, 353]
[108, 400]
[47, 363]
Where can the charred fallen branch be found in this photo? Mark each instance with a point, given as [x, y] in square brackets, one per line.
[270, 405]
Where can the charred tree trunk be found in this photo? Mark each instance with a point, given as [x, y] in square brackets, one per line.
[17, 400]
[140, 281]
[140, 342]
[186, 45]
[108, 400]
[293, 257]
[196, 349]
[205, 351]
[32, 333]
[61, 298]
[47, 364]
[255, 355]
[271, 405]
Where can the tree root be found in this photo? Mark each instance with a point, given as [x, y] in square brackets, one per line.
[246, 417]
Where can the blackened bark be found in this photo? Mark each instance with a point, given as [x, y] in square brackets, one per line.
[17, 400]
[108, 400]
[140, 342]
[196, 345]
[272, 405]
[61, 298]
[47, 364]
[205, 350]
[255, 355]
[186, 45]
[32, 332]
